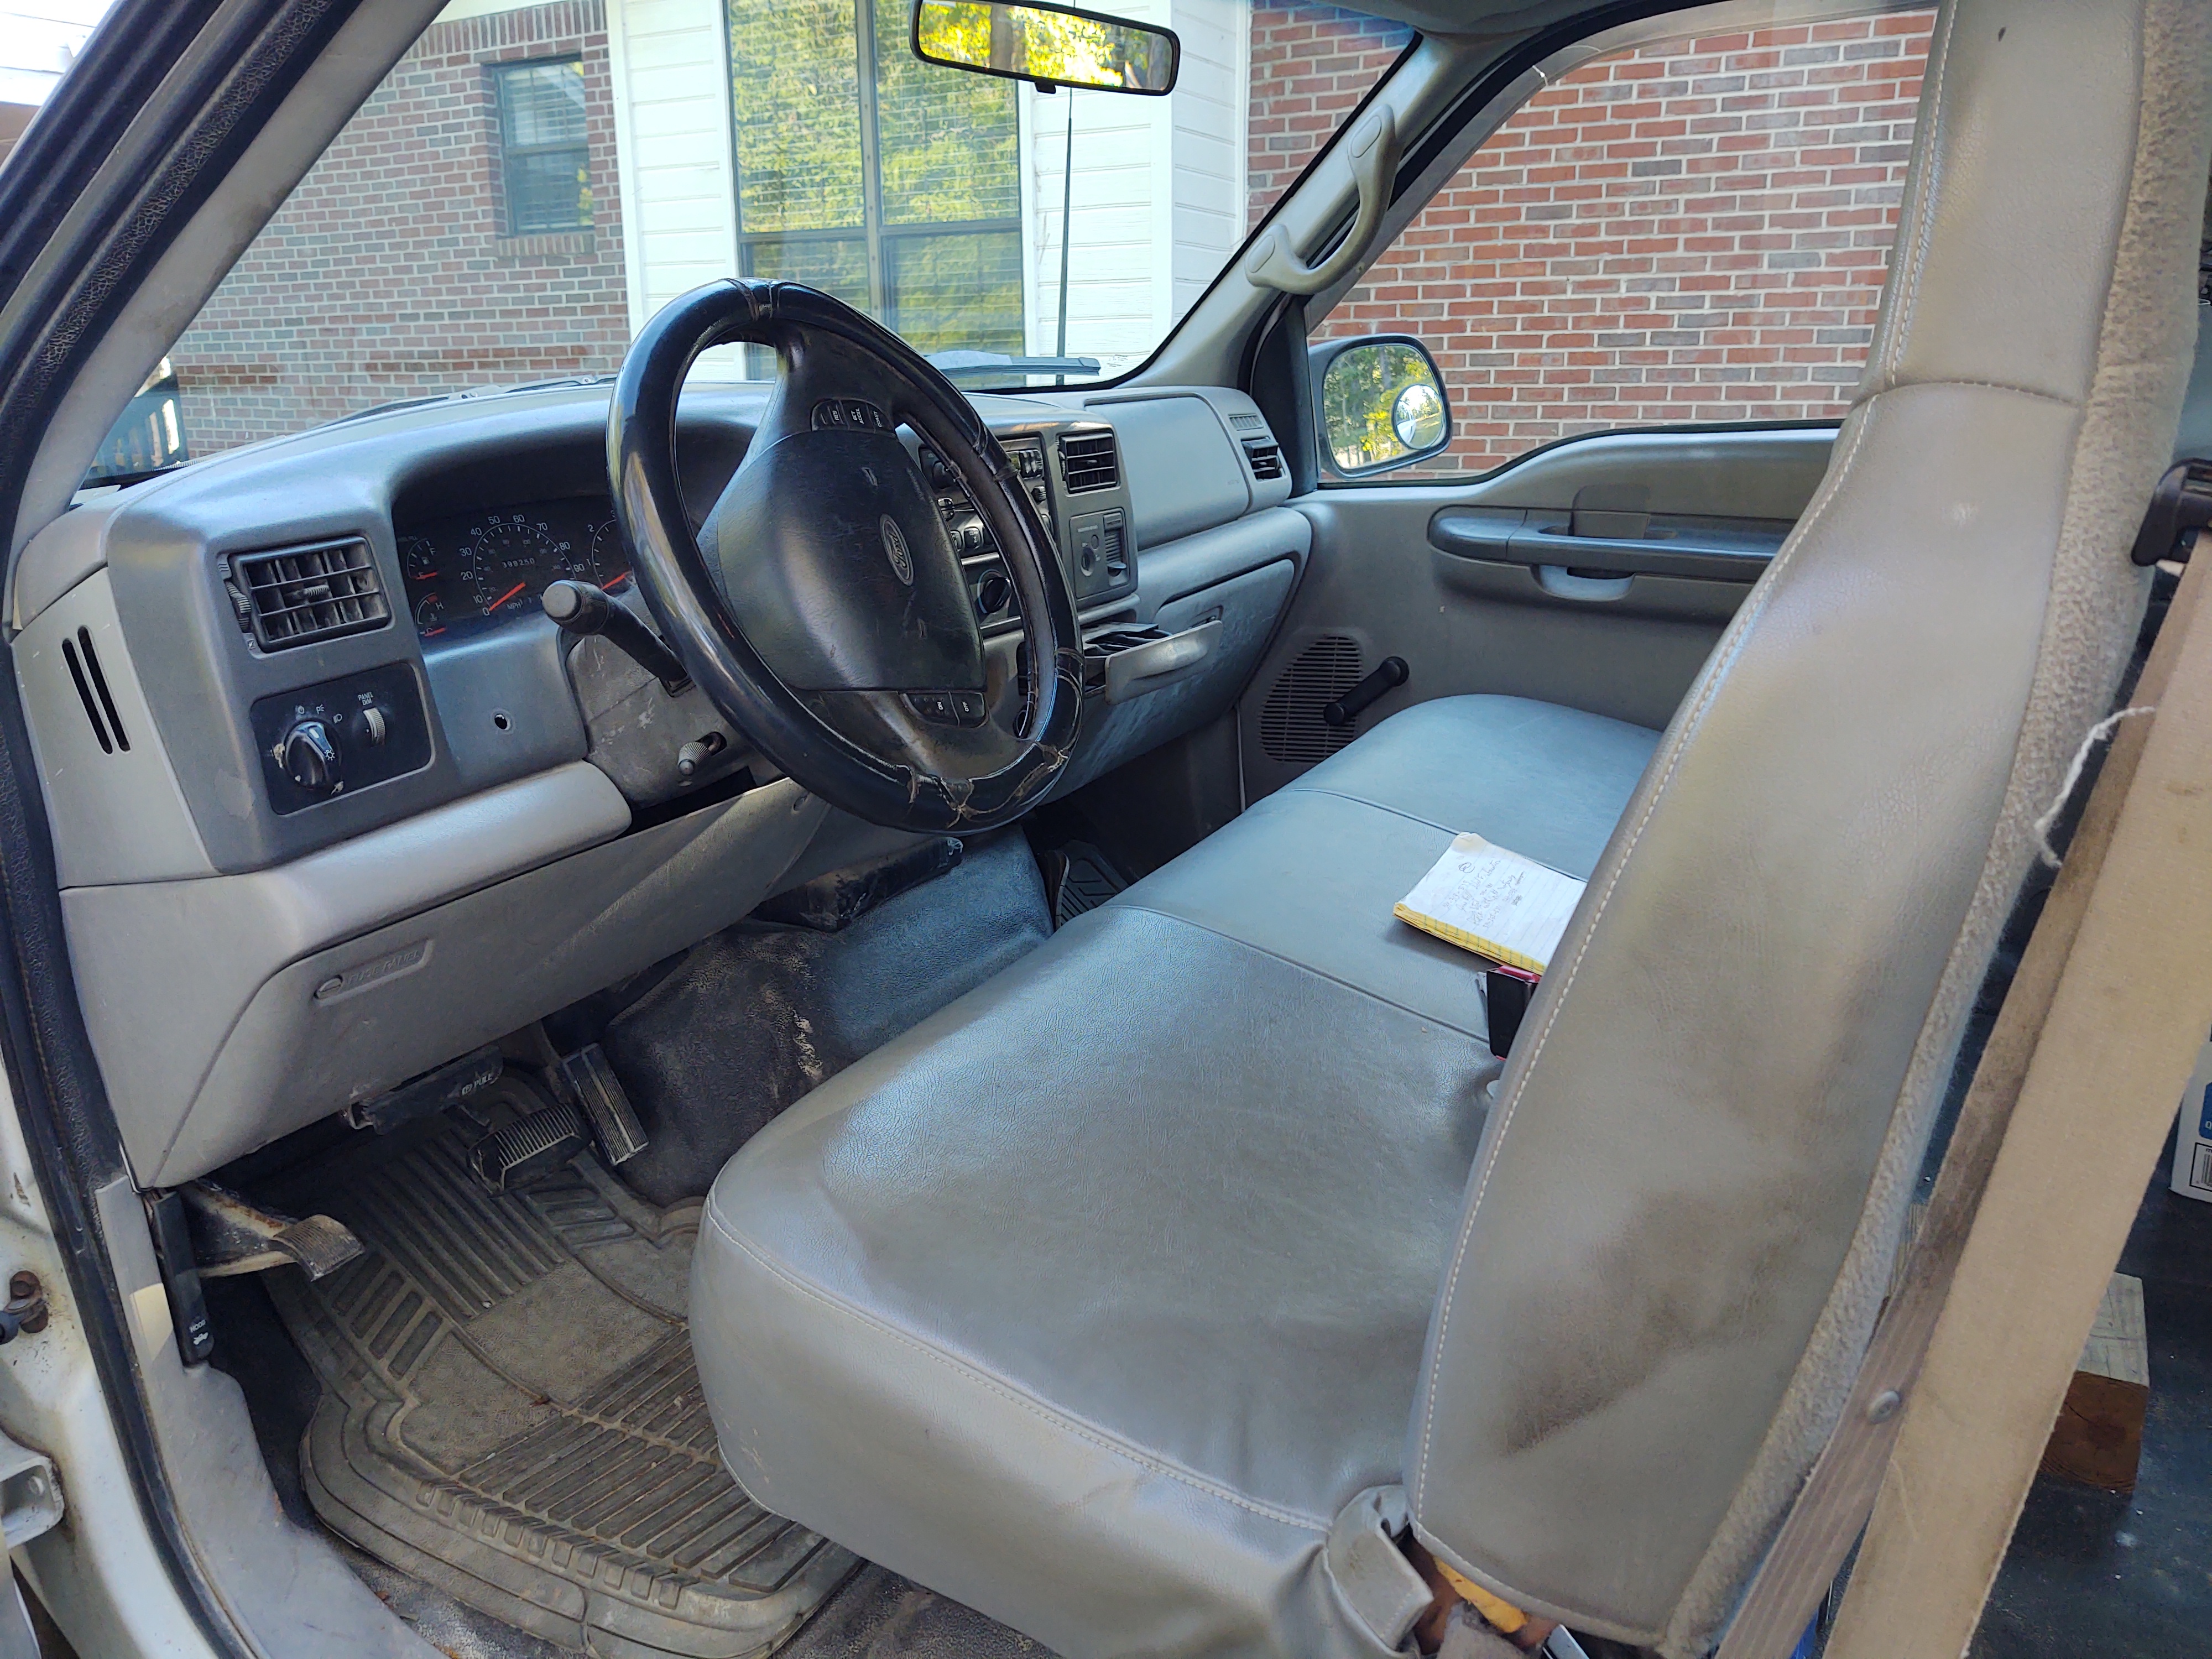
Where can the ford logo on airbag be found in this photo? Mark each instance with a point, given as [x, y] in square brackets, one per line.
[894, 548]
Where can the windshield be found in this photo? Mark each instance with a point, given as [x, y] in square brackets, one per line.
[529, 184]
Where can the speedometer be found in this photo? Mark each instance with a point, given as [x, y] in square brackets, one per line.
[507, 559]
[478, 570]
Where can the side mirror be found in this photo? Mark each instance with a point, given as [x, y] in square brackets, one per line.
[1379, 403]
[1052, 45]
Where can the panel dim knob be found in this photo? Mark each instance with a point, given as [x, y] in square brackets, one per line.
[370, 728]
[310, 759]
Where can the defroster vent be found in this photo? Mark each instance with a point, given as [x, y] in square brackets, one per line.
[1291, 726]
[1088, 461]
[297, 595]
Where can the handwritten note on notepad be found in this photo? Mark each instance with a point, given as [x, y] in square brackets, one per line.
[1493, 903]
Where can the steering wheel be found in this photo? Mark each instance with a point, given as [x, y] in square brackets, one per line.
[822, 607]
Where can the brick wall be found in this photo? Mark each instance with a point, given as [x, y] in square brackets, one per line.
[387, 274]
[1310, 65]
[1694, 231]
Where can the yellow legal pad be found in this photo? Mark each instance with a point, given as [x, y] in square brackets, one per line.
[1493, 901]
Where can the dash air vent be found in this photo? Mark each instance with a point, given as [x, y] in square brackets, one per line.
[1265, 457]
[297, 595]
[1087, 461]
[1291, 726]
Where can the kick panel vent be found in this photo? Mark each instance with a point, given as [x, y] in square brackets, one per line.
[298, 595]
[1291, 726]
[91, 690]
[1088, 461]
[1265, 457]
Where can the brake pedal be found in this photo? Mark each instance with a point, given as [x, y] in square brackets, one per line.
[544, 1140]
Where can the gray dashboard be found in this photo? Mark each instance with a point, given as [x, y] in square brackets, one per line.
[486, 795]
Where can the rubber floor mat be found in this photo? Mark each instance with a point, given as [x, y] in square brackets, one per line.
[510, 1410]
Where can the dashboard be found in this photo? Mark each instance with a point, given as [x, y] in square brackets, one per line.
[466, 572]
[333, 801]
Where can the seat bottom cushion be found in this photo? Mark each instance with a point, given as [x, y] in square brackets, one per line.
[1093, 1300]
[1090, 1301]
[1310, 874]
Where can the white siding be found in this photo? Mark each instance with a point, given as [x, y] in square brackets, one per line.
[672, 136]
[1211, 96]
[1157, 182]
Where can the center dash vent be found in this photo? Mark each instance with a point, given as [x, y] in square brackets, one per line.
[1087, 461]
[1265, 456]
[1291, 726]
[297, 595]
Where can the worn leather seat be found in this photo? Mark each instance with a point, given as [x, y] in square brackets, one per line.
[1158, 1212]
[1136, 1297]
[1308, 874]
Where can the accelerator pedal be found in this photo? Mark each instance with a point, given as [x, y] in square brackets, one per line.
[1081, 878]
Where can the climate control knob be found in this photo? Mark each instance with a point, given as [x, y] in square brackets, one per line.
[310, 759]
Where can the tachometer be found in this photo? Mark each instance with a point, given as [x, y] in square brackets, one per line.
[610, 557]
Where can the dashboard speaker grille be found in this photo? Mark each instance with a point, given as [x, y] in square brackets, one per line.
[1088, 461]
[1291, 726]
[297, 595]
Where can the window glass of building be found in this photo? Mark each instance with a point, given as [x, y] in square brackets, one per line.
[547, 164]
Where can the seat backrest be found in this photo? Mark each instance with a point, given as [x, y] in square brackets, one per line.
[1681, 1223]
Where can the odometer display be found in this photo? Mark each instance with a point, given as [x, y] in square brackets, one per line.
[478, 570]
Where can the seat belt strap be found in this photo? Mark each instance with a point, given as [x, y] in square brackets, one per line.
[1817, 1535]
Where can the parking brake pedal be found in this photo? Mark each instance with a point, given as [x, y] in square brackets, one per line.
[230, 1236]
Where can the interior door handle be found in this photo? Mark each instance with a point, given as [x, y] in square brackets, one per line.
[1672, 556]
[1506, 537]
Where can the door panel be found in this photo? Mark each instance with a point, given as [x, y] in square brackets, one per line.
[1597, 573]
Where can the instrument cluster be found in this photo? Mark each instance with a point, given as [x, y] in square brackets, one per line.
[472, 571]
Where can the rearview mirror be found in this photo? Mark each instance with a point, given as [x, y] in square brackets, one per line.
[1052, 45]
[1382, 404]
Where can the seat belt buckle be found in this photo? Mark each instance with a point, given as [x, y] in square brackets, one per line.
[1506, 995]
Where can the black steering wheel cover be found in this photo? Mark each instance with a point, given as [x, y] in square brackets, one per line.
[673, 575]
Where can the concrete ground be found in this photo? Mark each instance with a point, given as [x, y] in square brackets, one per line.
[2130, 1577]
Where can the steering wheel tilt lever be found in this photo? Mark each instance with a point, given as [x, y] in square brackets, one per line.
[581, 608]
[821, 606]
